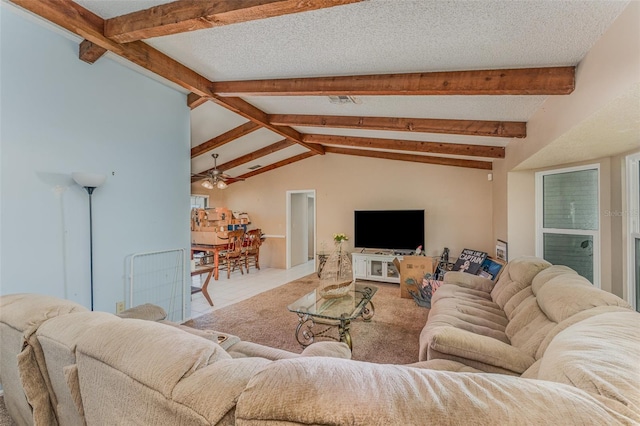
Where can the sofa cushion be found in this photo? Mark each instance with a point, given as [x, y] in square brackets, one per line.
[513, 303]
[452, 291]
[474, 312]
[320, 391]
[213, 391]
[136, 348]
[580, 316]
[469, 281]
[470, 323]
[517, 275]
[463, 344]
[568, 294]
[599, 355]
[58, 338]
[548, 274]
[528, 327]
[22, 366]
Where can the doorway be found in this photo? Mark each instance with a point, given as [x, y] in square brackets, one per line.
[301, 227]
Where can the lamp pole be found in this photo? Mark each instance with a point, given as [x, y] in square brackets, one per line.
[89, 181]
[90, 192]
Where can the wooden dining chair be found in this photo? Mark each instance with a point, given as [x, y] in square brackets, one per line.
[252, 249]
[232, 256]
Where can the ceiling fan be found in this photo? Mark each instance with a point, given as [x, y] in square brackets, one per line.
[216, 178]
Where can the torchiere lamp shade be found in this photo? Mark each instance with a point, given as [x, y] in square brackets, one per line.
[88, 180]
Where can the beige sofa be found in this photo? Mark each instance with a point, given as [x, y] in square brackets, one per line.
[39, 335]
[143, 372]
[507, 327]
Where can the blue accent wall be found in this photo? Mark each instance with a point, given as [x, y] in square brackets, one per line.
[60, 115]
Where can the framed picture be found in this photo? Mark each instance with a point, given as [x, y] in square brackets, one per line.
[502, 250]
[491, 268]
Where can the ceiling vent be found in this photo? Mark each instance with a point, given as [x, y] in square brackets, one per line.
[257, 166]
[344, 100]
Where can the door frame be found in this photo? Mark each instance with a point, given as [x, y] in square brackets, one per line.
[633, 225]
[288, 236]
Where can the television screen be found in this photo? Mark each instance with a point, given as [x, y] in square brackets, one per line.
[389, 229]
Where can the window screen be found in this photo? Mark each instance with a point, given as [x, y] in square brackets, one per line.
[571, 200]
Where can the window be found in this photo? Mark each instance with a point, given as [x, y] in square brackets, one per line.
[199, 201]
[633, 226]
[568, 220]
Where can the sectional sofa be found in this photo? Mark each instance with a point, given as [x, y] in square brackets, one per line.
[567, 353]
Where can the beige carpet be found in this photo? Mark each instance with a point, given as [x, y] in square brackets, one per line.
[5, 420]
[391, 337]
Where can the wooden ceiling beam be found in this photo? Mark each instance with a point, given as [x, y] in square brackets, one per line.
[277, 165]
[224, 138]
[78, 20]
[89, 52]
[443, 161]
[270, 149]
[285, 143]
[405, 145]
[502, 129]
[523, 81]
[194, 101]
[245, 109]
[190, 15]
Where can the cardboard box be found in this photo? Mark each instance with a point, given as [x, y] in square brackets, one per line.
[209, 238]
[413, 269]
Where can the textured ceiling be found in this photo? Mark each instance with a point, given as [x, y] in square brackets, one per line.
[385, 37]
[392, 36]
[612, 130]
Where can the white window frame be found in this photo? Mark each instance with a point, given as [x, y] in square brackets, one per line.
[633, 223]
[540, 230]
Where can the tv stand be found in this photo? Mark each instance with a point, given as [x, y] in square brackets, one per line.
[375, 265]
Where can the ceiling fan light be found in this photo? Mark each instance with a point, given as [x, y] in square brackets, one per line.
[207, 184]
[221, 184]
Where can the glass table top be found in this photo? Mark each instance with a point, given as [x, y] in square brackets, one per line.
[349, 306]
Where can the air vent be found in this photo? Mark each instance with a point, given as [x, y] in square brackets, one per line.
[257, 166]
[344, 100]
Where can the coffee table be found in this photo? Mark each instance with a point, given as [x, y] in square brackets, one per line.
[313, 309]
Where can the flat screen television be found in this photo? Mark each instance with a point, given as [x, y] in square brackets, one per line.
[389, 229]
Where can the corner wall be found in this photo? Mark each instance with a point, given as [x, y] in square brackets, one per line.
[609, 71]
[61, 115]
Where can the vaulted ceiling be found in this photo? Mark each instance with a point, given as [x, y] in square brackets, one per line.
[271, 82]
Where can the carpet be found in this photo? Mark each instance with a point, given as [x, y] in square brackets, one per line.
[5, 419]
[391, 337]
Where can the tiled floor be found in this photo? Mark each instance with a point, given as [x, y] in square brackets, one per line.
[225, 292]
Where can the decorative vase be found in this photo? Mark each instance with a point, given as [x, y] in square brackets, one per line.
[336, 278]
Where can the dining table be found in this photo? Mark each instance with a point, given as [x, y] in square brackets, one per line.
[214, 250]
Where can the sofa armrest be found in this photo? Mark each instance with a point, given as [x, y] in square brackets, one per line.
[474, 282]
[328, 349]
[335, 391]
[463, 344]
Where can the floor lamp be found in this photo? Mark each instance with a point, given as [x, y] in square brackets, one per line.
[89, 181]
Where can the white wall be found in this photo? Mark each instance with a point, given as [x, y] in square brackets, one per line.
[61, 115]
[457, 201]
